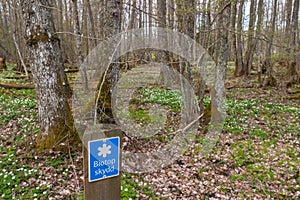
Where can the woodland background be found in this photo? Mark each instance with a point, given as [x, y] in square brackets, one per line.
[255, 41]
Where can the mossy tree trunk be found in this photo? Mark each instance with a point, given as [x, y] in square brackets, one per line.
[113, 27]
[56, 121]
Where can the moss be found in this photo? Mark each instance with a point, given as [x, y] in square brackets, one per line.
[36, 37]
[62, 131]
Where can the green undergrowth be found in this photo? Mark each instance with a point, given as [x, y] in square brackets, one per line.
[141, 106]
[14, 177]
[265, 117]
[170, 98]
[132, 184]
[17, 105]
[19, 114]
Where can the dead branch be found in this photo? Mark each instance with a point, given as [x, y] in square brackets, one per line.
[16, 86]
[15, 77]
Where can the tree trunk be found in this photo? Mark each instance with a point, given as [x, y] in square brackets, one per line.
[56, 121]
[208, 23]
[250, 44]
[114, 9]
[260, 13]
[271, 81]
[79, 44]
[186, 24]
[140, 14]
[233, 28]
[132, 15]
[88, 4]
[288, 7]
[150, 13]
[171, 13]
[162, 13]
[218, 92]
[239, 49]
[162, 22]
[113, 25]
[294, 70]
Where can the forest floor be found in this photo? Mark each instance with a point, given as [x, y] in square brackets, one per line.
[256, 157]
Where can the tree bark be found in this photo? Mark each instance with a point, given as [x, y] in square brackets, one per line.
[56, 121]
[150, 13]
[88, 4]
[250, 43]
[260, 13]
[132, 15]
[113, 24]
[161, 13]
[79, 44]
[233, 28]
[239, 49]
[288, 7]
[114, 9]
[271, 81]
[294, 68]
[208, 23]
[162, 23]
[218, 91]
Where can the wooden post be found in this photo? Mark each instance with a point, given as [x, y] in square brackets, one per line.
[106, 189]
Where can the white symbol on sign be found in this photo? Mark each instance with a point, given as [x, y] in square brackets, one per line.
[104, 150]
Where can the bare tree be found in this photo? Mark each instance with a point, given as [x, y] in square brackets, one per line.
[132, 15]
[113, 27]
[162, 12]
[233, 28]
[260, 13]
[222, 52]
[294, 68]
[114, 24]
[250, 43]
[92, 23]
[271, 81]
[56, 121]
[77, 33]
[162, 23]
[239, 48]
[288, 7]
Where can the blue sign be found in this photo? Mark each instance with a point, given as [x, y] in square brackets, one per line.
[104, 158]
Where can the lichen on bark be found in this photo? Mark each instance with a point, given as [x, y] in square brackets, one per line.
[56, 121]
